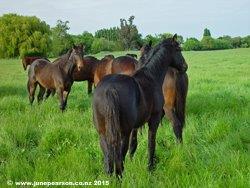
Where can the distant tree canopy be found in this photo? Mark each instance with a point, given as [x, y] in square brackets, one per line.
[111, 34]
[28, 35]
[129, 35]
[85, 38]
[61, 40]
[206, 33]
[22, 34]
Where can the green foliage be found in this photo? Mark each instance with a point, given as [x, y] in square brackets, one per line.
[155, 39]
[39, 143]
[22, 34]
[86, 38]
[129, 35]
[192, 44]
[102, 44]
[208, 43]
[111, 34]
[61, 40]
[245, 42]
[206, 33]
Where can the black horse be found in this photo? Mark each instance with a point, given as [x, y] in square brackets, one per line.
[122, 103]
[174, 88]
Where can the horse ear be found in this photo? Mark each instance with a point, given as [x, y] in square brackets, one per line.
[150, 43]
[175, 37]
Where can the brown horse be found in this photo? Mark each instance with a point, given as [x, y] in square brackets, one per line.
[87, 72]
[124, 65]
[122, 103]
[120, 65]
[56, 76]
[30, 59]
[103, 68]
[175, 88]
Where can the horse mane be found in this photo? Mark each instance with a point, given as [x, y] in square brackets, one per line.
[63, 58]
[157, 56]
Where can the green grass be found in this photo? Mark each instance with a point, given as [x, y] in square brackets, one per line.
[39, 143]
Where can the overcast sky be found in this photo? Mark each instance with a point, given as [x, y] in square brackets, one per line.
[185, 17]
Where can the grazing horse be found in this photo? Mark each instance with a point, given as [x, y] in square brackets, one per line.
[30, 59]
[56, 76]
[110, 65]
[175, 88]
[87, 72]
[122, 103]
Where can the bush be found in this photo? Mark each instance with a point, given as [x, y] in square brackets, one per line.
[19, 34]
[102, 44]
[208, 43]
[192, 44]
[222, 44]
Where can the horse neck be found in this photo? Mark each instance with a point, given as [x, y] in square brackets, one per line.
[153, 72]
[67, 64]
[70, 66]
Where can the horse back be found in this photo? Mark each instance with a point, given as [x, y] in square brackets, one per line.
[124, 65]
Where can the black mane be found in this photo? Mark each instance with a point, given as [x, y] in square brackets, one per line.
[155, 60]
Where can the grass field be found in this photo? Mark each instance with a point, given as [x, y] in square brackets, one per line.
[39, 143]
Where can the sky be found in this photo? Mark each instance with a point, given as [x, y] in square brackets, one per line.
[184, 17]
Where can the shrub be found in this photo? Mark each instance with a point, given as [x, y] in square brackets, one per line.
[102, 44]
[192, 44]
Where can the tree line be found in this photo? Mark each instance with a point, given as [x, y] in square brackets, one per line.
[23, 35]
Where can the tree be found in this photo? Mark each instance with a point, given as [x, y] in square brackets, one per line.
[61, 40]
[192, 44]
[22, 34]
[154, 39]
[111, 34]
[86, 38]
[208, 43]
[102, 44]
[206, 33]
[129, 35]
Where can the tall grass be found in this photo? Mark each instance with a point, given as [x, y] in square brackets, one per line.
[39, 143]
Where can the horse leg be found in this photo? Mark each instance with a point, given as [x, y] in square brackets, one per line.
[48, 92]
[153, 126]
[125, 144]
[90, 87]
[108, 161]
[176, 124]
[31, 86]
[60, 95]
[40, 94]
[133, 143]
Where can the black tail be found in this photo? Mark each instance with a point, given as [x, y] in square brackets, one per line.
[113, 131]
[182, 89]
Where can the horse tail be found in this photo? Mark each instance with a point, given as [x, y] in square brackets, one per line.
[181, 95]
[113, 128]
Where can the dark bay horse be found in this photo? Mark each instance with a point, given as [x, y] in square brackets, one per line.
[122, 103]
[30, 59]
[120, 65]
[87, 72]
[56, 76]
[175, 88]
